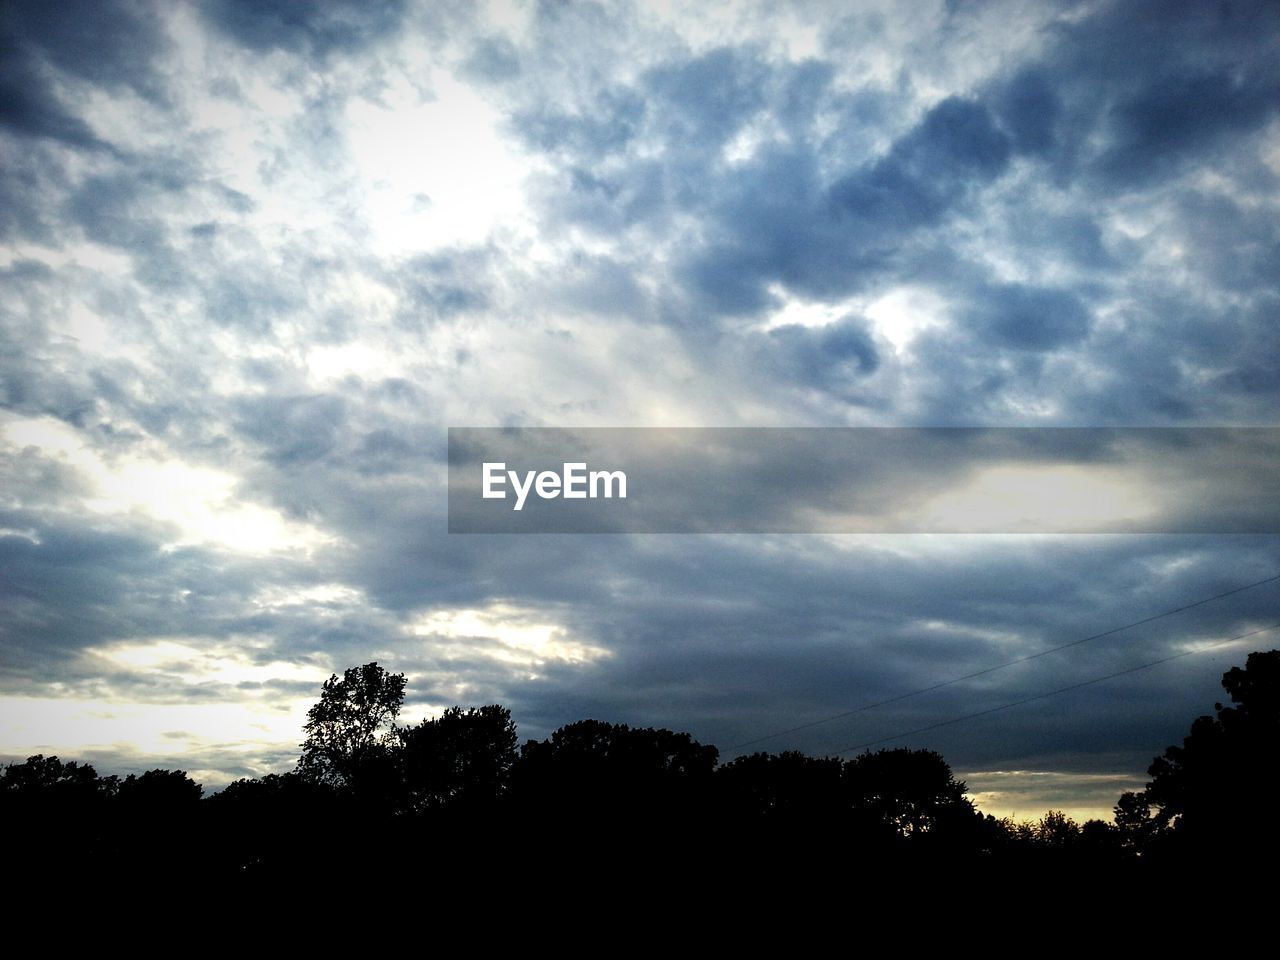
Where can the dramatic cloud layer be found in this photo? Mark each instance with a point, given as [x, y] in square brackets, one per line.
[257, 257]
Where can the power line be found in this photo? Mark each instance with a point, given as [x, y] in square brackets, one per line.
[1052, 693]
[1000, 666]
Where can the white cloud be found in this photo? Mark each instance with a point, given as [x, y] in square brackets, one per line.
[518, 636]
[203, 505]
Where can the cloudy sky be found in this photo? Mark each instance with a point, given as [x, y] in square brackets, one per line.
[257, 257]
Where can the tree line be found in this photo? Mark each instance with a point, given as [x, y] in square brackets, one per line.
[368, 794]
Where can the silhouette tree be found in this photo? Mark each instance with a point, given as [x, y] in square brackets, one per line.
[343, 747]
[1134, 823]
[605, 793]
[785, 787]
[47, 779]
[58, 809]
[158, 791]
[463, 757]
[601, 795]
[1057, 830]
[267, 827]
[155, 822]
[791, 805]
[1225, 766]
[913, 791]
[596, 771]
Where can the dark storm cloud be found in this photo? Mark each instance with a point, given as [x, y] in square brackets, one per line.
[1120, 101]
[293, 430]
[146, 208]
[26, 108]
[76, 588]
[776, 217]
[716, 632]
[320, 27]
[780, 223]
[1162, 85]
[689, 109]
[707, 99]
[829, 358]
[1029, 318]
[73, 583]
[49, 52]
[774, 224]
[1029, 106]
[954, 149]
[109, 44]
[611, 121]
[731, 645]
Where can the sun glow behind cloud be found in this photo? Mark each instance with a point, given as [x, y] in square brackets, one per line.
[1023, 795]
[203, 505]
[1030, 498]
[197, 661]
[170, 697]
[435, 170]
[173, 733]
[903, 313]
[513, 635]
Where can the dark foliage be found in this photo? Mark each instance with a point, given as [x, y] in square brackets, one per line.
[454, 794]
[1222, 776]
[462, 759]
[343, 747]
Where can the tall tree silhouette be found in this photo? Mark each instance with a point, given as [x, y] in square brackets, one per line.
[1218, 784]
[343, 744]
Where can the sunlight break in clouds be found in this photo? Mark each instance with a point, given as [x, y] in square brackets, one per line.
[201, 503]
[173, 697]
[1009, 499]
[435, 171]
[514, 636]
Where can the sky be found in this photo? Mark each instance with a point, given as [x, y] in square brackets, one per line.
[258, 256]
